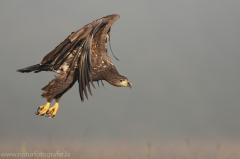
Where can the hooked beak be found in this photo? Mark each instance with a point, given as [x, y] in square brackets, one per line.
[130, 85]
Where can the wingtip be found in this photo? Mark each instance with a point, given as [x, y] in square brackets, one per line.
[113, 16]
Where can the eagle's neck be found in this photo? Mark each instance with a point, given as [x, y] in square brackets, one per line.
[111, 75]
[106, 74]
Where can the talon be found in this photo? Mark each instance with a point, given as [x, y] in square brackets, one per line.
[37, 113]
[52, 111]
[38, 110]
[42, 109]
[51, 116]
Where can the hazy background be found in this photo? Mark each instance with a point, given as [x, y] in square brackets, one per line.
[181, 56]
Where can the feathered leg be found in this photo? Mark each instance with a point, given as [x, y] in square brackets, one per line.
[54, 90]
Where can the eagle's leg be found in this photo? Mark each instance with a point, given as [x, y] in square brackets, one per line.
[53, 110]
[43, 109]
[54, 90]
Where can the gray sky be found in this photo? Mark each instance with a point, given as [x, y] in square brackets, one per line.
[181, 56]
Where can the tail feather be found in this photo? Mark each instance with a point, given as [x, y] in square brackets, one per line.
[36, 68]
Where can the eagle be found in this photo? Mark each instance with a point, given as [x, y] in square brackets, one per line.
[81, 57]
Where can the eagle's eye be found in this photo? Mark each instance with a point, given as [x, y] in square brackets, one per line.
[121, 80]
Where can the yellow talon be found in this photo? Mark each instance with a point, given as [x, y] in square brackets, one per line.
[52, 111]
[43, 109]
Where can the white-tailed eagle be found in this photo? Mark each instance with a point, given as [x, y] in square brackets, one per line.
[81, 57]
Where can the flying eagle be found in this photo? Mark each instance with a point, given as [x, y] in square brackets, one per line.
[81, 57]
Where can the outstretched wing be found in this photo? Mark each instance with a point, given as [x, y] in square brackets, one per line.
[76, 51]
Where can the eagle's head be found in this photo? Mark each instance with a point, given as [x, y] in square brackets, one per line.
[119, 81]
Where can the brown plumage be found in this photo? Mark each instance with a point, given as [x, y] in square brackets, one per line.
[81, 57]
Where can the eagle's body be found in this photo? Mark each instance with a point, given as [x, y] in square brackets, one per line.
[81, 57]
